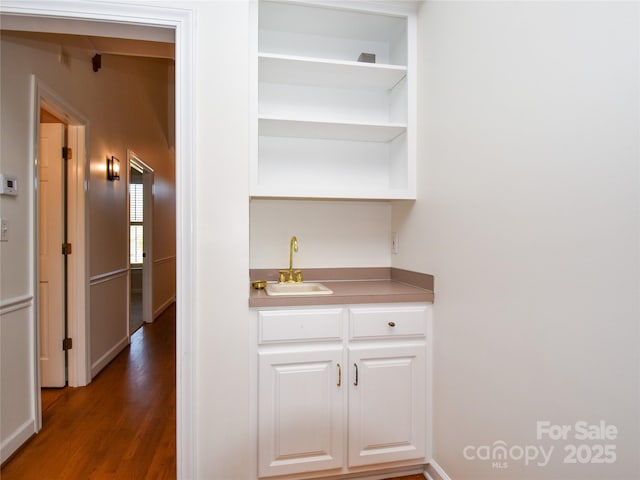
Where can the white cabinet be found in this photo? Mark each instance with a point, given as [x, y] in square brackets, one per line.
[300, 411]
[328, 126]
[342, 388]
[388, 384]
[387, 401]
[300, 390]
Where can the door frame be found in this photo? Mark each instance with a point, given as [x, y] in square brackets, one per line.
[77, 227]
[181, 19]
[147, 232]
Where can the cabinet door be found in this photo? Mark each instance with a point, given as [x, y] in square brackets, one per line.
[300, 410]
[387, 395]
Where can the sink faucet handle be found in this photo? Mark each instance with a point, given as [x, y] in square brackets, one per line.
[298, 275]
[282, 277]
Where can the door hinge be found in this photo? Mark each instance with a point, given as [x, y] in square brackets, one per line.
[67, 153]
[66, 249]
[67, 344]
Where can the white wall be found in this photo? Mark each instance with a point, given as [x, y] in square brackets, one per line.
[528, 216]
[128, 107]
[222, 237]
[330, 233]
[17, 419]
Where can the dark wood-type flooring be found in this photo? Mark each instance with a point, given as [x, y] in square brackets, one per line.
[121, 426]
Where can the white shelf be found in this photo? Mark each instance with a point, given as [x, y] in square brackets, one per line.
[323, 124]
[296, 192]
[297, 70]
[363, 132]
[328, 23]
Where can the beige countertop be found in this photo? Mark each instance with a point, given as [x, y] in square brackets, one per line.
[350, 286]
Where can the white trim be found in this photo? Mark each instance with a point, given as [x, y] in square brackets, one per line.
[439, 470]
[412, 107]
[112, 353]
[136, 162]
[34, 245]
[398, 472]
[16, 439]
[183, 21]
[429, 381]
[107, 276]
[395, 8]
[99, 29]
[158, 311]
[186, 247]
[78, 263]
[14, 304]
[78, 296]
[123, 11]
[159, 261]
[378, 474]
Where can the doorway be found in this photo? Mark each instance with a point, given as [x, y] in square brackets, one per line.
[61, 279]
[182, 23]
[140, 245]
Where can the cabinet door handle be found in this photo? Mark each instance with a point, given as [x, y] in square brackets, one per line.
[392, 324]
[356, 382]
[339, 375]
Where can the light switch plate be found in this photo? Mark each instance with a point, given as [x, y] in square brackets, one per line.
[4, 230]
[8, 185]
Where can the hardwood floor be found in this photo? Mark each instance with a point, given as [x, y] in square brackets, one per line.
[121, 426]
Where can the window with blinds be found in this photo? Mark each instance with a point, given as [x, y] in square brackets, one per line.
[136, 214]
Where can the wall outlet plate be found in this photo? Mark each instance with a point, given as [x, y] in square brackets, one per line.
[395, 242]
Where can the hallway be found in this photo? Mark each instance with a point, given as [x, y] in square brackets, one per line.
[121, 426]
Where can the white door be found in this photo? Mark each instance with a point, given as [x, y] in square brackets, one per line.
[387, 394]
[143, 222]
[147, 236]
[300, 411]
[51, 266]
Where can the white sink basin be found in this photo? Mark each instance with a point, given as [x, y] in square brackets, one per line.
[304, 288]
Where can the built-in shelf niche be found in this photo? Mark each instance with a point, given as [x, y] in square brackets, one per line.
[329, 126]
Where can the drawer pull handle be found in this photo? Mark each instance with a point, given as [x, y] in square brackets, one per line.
[356, 382]
[339, 375]
[392, 324]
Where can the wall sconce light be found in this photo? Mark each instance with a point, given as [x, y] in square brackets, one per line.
[113, 169]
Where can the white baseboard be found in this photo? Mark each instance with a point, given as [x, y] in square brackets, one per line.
[107, 357]
[443, 475]
[158, 311]
[16, 439]
[388, 473]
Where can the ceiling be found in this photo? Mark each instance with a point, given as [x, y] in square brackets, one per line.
[101, 45]
[92, 36]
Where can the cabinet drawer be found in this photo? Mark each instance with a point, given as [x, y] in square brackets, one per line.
[371, 322]
[297, 325]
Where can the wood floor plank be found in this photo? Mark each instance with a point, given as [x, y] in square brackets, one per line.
[121, 426]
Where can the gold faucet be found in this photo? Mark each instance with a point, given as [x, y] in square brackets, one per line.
[291, 275]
